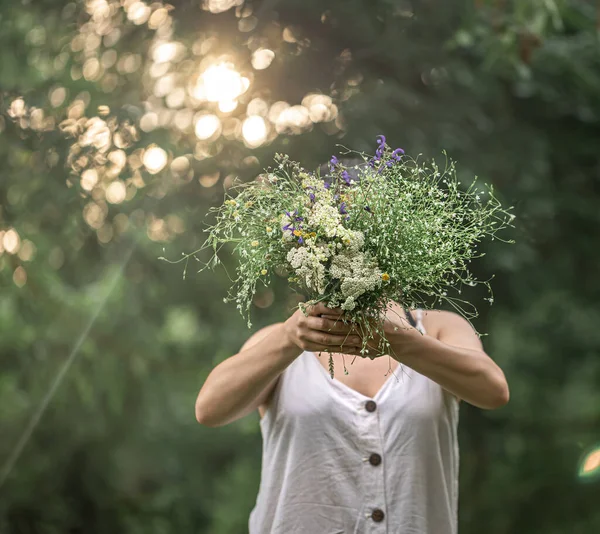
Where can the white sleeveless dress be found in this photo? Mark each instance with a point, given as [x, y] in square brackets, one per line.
[337, 462]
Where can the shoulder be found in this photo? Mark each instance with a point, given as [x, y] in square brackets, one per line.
[451, 328]
[260, 334]
[439, 319]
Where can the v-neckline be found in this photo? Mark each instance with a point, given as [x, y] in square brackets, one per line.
[347, 388]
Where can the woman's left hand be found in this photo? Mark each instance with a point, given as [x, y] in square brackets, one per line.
[394, 323]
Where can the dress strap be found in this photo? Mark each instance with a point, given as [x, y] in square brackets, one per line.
[410, 318]
[419, 320]
[416, 320]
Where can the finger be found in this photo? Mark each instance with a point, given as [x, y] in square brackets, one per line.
[320, 308]
[351, 351]
[327, 325]
[346, 325]
[334, 311]
[317, 309]
[333, 341]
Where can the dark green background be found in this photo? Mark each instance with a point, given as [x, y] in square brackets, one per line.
[510, 89]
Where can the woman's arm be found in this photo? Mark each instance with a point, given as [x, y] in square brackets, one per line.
[455, 360]
[238, 385]
[241, 383]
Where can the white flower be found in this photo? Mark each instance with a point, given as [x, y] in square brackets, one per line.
[309, 266]
[349, 304]
[357, 273]
[326, 218]
[353, 239]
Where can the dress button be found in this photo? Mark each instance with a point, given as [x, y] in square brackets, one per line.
[377, 515]
[370, 406]
[375, 459]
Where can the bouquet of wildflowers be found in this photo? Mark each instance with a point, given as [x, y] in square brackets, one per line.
[389, 229]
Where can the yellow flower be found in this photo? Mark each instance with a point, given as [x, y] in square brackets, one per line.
[263, 272]
[231, 202]
[254, 243]
[313, 234]
[385, 277]
[236, 214]
[269, 229]
[248, 204]
[297, 233]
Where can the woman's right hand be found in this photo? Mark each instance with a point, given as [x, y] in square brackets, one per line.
[322, 334]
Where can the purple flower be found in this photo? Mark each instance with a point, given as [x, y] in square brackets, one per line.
[348, 217]
[294, 215]
[346, 177]
[397, 154]
[300, 240]
[380, 147]
[343, 209]
[326, 185]
[312, 197]
[332, 163]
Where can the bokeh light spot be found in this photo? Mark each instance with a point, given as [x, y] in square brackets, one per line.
[94, 215]
[207, 126]
[27, 251]
[221, 82]
[293, 120]
[155, 159]
[158, 18]
[254, 130]
[89, 179]
[116, 192]
[149, 121]
[138, 13]
[11, 241]
[180, 165]
[262, 58]
[165, 52]
[257, 106]
[157, 230]
[20, 276]
[17, 108]
[219, 6]
[105, 234]
[208, 180]
[590, 465]
[91, 69]
[227, 106]
[57, 96]
[264, 298]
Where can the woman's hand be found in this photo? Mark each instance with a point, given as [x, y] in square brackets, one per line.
[322, 331]
[393, 323]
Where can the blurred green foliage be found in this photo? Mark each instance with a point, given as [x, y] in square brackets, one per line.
[510, 89]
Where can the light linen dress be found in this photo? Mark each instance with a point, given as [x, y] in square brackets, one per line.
[337, 462]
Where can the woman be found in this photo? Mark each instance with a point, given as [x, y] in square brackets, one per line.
[372, 451]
